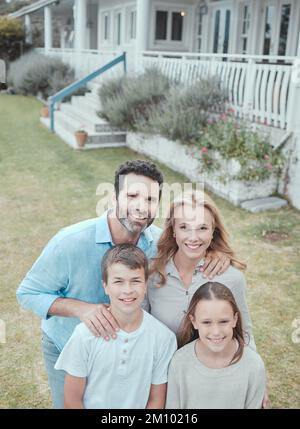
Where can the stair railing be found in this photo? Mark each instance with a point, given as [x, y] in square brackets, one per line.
[56, 98]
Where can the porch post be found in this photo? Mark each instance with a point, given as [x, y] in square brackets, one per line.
[80, 24]
[28, 29]
[48, 27]
[293, 124]
[142, 28]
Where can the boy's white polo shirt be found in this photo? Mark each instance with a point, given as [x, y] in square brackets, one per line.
[119, 372]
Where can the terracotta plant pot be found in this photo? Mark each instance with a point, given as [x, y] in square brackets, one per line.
[81, 137]
[45, 112]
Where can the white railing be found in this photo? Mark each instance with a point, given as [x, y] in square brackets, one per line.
[258, 86]
[86, 61]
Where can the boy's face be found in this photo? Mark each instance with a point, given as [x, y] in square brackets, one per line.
[126, 287]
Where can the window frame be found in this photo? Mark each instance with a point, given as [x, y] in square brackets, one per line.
[168, 43]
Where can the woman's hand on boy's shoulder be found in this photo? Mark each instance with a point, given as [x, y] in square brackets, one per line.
[99, 320]
[216, 263]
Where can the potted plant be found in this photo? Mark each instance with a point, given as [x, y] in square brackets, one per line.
[81, 136]
[45, 111]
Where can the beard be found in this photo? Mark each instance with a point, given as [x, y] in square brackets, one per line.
[132, 227]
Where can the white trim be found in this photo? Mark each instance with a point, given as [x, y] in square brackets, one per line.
[31, 8]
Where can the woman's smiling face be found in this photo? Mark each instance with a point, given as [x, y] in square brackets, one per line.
[193, 229]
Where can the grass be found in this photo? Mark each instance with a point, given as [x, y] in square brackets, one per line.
[45, 185]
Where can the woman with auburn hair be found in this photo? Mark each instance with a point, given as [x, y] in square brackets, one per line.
[192, 228]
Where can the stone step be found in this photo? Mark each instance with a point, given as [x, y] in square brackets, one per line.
[94, 86]
[95, 140]
[261, 204]
[87, 119]
[93, 97]
[86, 105]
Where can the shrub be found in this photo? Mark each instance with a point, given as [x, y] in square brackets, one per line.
[126, 101]
[35, 74]
[12, 38]
[185, 112]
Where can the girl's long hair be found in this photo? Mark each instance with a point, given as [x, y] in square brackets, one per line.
[210, 291]
[167, 246]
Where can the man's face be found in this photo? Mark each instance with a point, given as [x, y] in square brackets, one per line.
[126, 287]
[137, 202]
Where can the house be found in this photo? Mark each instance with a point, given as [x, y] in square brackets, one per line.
[253, 45]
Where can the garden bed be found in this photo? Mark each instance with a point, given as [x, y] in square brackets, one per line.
[180, 158]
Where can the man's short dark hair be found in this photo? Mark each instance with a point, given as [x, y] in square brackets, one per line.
[127, 254]
[141, 168]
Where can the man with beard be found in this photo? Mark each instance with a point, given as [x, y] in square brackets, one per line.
[64, 285]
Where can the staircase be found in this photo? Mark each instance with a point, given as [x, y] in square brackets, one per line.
[80, 113]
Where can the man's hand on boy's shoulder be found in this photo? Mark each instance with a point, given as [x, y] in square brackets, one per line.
[216, 263]
[98, 319]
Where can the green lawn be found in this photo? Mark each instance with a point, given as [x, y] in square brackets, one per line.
[45, 185]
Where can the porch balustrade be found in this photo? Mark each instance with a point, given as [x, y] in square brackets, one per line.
[258, 86]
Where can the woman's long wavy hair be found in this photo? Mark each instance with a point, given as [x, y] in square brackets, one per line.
[167, 246]
[211, 291]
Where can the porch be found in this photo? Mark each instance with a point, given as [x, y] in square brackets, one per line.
[259, 87]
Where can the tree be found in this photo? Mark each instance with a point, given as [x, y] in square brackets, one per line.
[12, 38]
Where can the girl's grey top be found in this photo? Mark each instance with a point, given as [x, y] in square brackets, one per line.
[193, 385]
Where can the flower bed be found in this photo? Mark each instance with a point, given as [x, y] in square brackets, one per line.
[182, 159]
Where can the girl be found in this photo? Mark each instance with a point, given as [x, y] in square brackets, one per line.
[214, 368]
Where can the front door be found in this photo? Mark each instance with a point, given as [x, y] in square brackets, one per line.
[277, 27]
[221, 29]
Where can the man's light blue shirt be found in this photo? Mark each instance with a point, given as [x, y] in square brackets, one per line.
[70, 267]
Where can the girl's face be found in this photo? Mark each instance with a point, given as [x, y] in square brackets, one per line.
[193, 229]
[214, 320]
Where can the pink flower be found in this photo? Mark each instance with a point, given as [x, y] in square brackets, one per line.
[223, 117]
[204, 149]
[231, 110]
[269, 166]
[266, 157]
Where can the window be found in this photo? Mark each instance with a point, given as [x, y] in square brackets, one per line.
[245, 28]
[284, 27]
[106, 27]
[161, 25]
[269, 21]
[199, 32]
[177, 23]
[132, 26]
[169, 25]
[118, 28]
[226, 35]
[216, 32]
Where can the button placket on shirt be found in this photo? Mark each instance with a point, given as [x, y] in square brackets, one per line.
[124, 355]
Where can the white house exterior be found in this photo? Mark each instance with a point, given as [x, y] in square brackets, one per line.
[253, 27]
[253, 45]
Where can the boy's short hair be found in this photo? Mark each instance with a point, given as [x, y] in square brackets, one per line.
[127, 254]
[140, 168]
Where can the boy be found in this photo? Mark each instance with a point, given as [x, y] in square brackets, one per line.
[131, 371]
